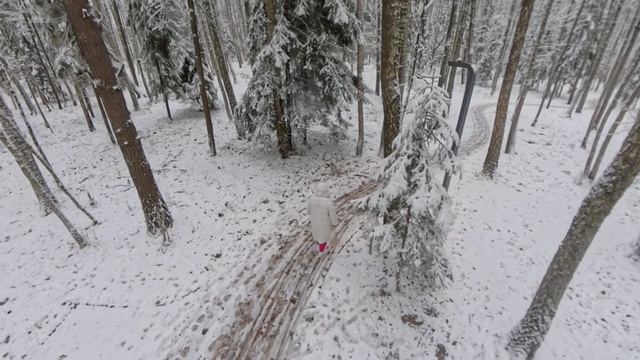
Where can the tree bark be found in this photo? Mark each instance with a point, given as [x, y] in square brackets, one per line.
[378, 37]
[445, 57]
[95, 53]
[503, 48]
[612, 130]
[83, 105]
[35, 100]
[457, 45]
[526, 338]
[359, 84]
[124, 40]
[614, 77]
[493, 155]
[526, 82]
[394, 28]
[600, 52]
[20, 149]
[203, 81]
[219, 57]
[558, 63]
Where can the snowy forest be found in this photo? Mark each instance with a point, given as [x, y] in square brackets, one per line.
[320, 179]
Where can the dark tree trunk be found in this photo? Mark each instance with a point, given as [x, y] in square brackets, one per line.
[95, 53]
[124, 40]
[395, 15]
[493, 155]
[360, 85]
[203, 81]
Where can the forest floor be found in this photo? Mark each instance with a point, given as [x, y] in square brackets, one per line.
[240, 219]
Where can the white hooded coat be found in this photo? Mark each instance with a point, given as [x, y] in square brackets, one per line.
[323, 214]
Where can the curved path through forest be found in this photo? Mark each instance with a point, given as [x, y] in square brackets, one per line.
[266, 317]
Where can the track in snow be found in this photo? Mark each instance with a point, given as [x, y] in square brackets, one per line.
[266, 317]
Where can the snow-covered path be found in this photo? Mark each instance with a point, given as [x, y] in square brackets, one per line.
[266, 319]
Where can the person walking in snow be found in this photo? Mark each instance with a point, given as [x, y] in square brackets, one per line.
[323, 215]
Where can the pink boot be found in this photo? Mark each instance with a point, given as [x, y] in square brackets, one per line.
[322, 246]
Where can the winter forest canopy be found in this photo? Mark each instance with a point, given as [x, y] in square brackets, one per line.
[319, 179]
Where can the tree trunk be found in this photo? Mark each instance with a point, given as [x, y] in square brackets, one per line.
[503, 48]
[124, 40]
[20, 149]
[493, 155]
[526, 82]
[17, 146]
[38, 41]
[219, 57]
[144, 79]
[163, 88]
[83, 105]
[95, 53]
[35, 100]
[603, 122]
[359, 84]
[378, 37]
[600, 52]
[612, 130]
[614, 77]
[457, 45]
[558, 64]
[395, 15]
[103, 113]
[73, 98]
[203, 81]
[23, 94]
[447, 40]
[526, 338]
[284, 145]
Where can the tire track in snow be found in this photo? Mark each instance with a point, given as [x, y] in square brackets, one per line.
[266, 317]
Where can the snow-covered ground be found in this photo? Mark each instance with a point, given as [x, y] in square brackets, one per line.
[125, 298]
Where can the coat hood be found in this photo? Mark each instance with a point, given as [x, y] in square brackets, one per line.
[322, 190]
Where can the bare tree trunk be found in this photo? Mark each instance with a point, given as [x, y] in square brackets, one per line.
[35, 100]
[95, 53]
[38, 41]
[124, 40]
[603, 122]
[558, 63]
[503, 48]
[394, 24]
[215, 69]
[165, 94]
[600, 52]
[23, 94]
[18, 147]
[526, 82]
[105, 118]
[144, 79]
[526, 338]
[457, 45]
[614, 78]
[612, 130]
[445, 57]
[359, 84]
[203, 81]
[70, 92]
[220, 59]
[493, 155]
[87, 101]
[378, 37]
[83, 105]
[416, 56]
[14, 142]
[284, 145]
